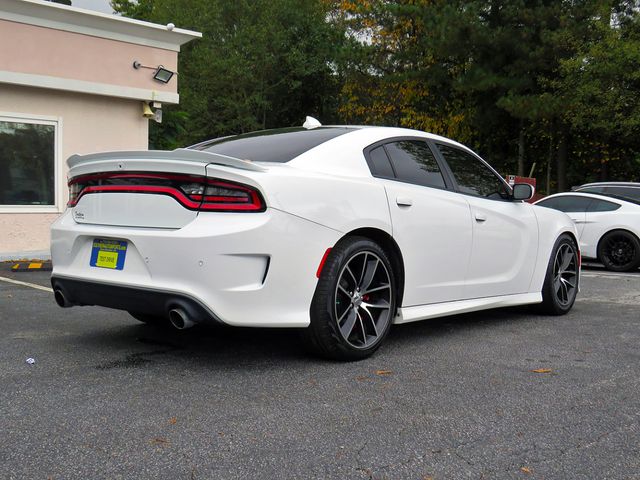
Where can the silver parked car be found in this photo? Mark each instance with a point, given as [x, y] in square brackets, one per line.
[621, 190]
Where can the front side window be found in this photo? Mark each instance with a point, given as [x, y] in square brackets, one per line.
[568, 203]
[27, 163]
[472, 176]
[414, 162]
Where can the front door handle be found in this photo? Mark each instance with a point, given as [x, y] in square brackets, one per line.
[404, 201]
[480, 218]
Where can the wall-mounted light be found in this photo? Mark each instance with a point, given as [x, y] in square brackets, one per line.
[161, 73]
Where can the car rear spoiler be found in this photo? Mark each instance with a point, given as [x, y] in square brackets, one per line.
[185, 154]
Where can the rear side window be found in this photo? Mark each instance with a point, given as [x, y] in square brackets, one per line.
[281, 145]
[568, 203]
[414, 162]
[602, 206]
[472, 176]
[379, 163]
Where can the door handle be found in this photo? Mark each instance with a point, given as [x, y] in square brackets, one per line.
[480, 218]
[404, 201]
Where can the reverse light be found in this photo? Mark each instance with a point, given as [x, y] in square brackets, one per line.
[191, 191]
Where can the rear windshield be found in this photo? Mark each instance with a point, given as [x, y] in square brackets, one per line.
[279, 145]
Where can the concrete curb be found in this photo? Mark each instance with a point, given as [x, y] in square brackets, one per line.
[34, 255]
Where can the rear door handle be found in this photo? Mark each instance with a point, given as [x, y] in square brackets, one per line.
[480, 217]
[404, 201]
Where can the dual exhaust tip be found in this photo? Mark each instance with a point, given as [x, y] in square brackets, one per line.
[178, 317]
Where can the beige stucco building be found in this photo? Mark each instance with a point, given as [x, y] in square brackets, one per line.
[68, 85]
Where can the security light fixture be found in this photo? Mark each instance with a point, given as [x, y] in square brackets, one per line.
[161, 73]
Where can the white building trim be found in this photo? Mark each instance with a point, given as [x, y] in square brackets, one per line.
[96, 24]
[81, 86]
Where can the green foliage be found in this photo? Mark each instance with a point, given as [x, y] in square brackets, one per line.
[513, 78]
[553, 83]
[260, 64]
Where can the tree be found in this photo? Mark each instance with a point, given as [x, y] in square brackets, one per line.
[260, 64]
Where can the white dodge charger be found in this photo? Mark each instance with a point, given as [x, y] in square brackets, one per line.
[341, 231]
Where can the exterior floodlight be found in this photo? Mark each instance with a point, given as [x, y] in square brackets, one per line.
[162, 74]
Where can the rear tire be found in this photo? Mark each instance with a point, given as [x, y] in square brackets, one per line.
[561, 281]
[619, 251]
[354, 302]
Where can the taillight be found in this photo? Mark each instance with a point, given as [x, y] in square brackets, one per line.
[224, 196]
[191, 191]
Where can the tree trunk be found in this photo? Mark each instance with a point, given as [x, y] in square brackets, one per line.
[562, 160]
[549, 159]
[521, 150]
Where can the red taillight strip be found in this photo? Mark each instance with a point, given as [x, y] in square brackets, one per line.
[159, 176]
[173, 192]
[218, 203]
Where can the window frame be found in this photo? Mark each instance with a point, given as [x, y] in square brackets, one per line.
[58, 178]
[449, 185]
[456, 187]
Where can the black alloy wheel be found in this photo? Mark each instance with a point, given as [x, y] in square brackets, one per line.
[362, 300]
[561, 281]
[565, 274]
[354, 303]
[619, 251]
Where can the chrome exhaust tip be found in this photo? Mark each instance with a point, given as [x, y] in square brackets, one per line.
[179, 319]
[61, 300]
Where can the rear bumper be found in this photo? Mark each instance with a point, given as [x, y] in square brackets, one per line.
[256, 270]
[132, 299]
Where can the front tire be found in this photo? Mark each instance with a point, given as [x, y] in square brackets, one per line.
[561, 281]
[619, 251]
[354, 303]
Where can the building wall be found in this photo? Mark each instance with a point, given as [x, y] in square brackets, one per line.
[86, 124]
[35, 50]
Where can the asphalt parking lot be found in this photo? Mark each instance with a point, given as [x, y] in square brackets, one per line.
[453, 398]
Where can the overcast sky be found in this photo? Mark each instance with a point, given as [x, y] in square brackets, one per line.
[97, 5]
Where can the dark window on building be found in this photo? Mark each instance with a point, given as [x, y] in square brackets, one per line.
[414, 162]
[472, 176]
[281, 145]
[27, 163]
[379, 163]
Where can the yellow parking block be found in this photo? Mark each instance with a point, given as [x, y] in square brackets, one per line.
[33, 266]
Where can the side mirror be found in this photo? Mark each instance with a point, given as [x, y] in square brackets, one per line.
[523, 191]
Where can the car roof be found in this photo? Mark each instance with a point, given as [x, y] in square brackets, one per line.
[329, 149]
[600, 196]
[609, 184]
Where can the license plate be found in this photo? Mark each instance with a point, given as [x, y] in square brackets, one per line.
[108, 253]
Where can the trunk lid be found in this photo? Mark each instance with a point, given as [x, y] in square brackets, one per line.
[156, 189]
